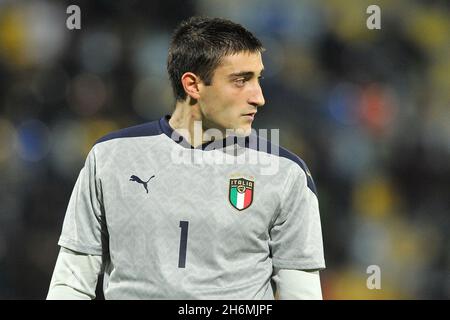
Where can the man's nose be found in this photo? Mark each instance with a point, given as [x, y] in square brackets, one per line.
[257, 97]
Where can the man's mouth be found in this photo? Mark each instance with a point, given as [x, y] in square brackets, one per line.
[250, 115]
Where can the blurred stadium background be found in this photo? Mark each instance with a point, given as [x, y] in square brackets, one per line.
[368, 110]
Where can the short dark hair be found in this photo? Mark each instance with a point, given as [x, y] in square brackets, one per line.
[198, 45]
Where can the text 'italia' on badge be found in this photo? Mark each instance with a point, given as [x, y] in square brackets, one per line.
[241, 193]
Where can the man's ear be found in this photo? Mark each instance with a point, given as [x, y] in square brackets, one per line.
[190, 83]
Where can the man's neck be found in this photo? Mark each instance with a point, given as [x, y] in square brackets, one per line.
[187, 120]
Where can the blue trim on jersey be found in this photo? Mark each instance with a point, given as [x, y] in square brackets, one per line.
[207, 146]
[264, 145]
[142, 130]
[162, 126]
[291, 156]
[165, 127]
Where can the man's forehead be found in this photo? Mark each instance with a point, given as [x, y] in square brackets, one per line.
[241, 62]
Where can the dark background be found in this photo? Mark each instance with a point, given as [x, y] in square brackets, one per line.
[368, 110]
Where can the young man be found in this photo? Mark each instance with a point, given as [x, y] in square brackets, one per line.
[161, 221]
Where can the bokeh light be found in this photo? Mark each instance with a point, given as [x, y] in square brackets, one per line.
[34, 140]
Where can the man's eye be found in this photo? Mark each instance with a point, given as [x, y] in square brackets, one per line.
[240, 82]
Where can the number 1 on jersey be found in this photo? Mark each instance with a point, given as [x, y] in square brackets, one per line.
[184, 225]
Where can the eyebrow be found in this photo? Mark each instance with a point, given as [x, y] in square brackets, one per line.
[244, 74]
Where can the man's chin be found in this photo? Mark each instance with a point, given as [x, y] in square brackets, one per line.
[243, 131]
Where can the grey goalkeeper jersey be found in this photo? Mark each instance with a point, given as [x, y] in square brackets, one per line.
[177, 222]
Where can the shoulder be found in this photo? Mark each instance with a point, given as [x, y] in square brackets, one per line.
[147, 129]
[263, 145]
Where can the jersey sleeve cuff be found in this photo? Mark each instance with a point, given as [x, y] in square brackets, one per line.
[76, 246]
[298, 265]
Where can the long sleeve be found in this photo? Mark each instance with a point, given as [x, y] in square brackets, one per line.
[297, 284]
[75, 276]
